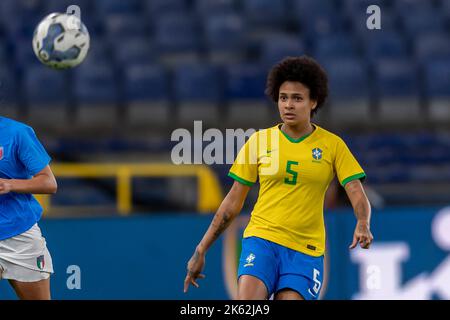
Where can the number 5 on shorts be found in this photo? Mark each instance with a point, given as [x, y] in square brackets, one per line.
[317, 283]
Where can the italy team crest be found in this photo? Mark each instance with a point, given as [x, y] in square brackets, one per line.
[40, 261]
[1, 153]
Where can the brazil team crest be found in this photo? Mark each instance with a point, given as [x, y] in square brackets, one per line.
[317, 153]
[249, 260]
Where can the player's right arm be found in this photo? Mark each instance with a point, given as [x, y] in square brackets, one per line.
[229, 208]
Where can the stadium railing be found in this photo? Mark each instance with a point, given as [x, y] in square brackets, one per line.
[209, 195]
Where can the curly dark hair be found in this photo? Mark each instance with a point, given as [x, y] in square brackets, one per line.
[302, 69]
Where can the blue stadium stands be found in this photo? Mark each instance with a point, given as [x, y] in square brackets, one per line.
[244, 87]
[415, 23]
[171, 32]
[177, 35]
[437, 89]
[83, 192]
[265, 14]
[96, 93]
[162, 63]
[385, 45]
[224, 37]
[4, 58]
[432, 46]
[274, 48]
[198, 91]
[304, 8]
[398, 90]
[47, 98]
[99, 50]
[106, 7]
[9, 99]
[339, 45]
[134, 50]
[147, 95]
[155, 8]
[412, 6]
[207, 8]
[349, 90]
[122, 26]
[316, 18]
[359, 7]
[23, 53]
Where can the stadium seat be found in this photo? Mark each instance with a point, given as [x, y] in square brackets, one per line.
[349, 91]
[83, 192]
[359, 7]
[198, 92]
[303, 8]
[177, 37]
[21, 26]
[99, 50]
[21, 13]
[62, 5]
[385, 45]
[7, 8]
[136, 50]
[224, 37]
[4, 58]
[47, 96]
[445, 7]
[412, 6]
[265, 15]
[206, 8]
[432, 46]
[125, 25]
[24, 55]
[276, 47]
[155, 8]
[9, 99]
[437, 89]
[315, 18]
[147, 99]
[397, 90]
[107, 7]
[96, 93]
[247, 105]
[340, 45]
[423, 22]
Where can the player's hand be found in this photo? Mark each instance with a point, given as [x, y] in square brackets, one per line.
[362, 235]
[5, 186]
[194, 269]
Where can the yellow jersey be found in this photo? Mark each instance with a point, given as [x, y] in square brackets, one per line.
[294, 175]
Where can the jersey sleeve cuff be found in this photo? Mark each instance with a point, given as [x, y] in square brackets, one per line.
[360, 176]
[239, 179]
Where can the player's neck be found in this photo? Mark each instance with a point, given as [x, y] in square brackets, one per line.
[297, 131]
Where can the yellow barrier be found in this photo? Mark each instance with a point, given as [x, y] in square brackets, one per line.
[209, 191]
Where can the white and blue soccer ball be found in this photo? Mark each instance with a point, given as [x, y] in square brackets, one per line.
[61, 41]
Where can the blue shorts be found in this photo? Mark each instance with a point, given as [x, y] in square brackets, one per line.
[281, 268]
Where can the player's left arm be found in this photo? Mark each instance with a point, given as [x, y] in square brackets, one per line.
[43, 182]
[361, 207]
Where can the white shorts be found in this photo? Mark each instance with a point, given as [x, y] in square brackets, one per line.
[25, 257]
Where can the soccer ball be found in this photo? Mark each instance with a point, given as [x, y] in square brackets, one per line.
[61, 41]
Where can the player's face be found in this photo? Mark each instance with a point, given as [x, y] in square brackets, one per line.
[294, 103]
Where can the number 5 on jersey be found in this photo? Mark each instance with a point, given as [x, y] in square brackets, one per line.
[292, 178]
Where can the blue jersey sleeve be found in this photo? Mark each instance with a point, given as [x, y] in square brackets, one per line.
[31, 152]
